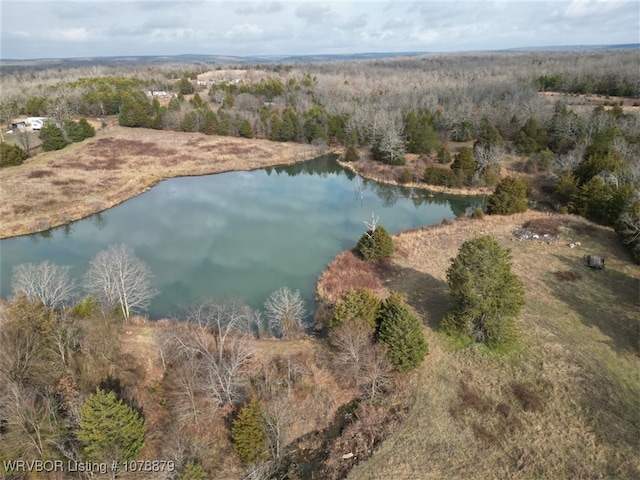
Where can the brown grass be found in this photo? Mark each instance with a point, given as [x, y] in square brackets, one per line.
[118, 164]
[563, 405]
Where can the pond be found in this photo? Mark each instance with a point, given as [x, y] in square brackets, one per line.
[238, 234]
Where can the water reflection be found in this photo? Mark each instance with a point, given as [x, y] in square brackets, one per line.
[240, 234]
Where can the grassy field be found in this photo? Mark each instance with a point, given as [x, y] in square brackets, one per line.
[55, 188]
[563, 405]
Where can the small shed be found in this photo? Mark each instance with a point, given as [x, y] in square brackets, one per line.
[595, 261]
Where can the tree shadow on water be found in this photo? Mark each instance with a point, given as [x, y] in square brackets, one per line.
[428, 295]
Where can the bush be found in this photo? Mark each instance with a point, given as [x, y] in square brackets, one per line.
[401, 331]
[80, 130]
[444, 156]
[87, 307]
[351, 155]
[405, 176]
[510, 196]
[485, 295]
[359, 304]
[439, 176]
[375, 245]
[11, 155]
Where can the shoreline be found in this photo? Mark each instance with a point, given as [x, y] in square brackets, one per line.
[480, 191]
[119, 164]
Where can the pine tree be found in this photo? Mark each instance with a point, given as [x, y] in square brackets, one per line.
[485, 295]
[11, 155]
[361, 305]
[376, 244]
[351, 155]
[510, 196]
[401, 331]
[51, 137]
[248, 433]
[109, 429]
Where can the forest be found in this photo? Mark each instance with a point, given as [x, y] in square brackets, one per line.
[224, 391]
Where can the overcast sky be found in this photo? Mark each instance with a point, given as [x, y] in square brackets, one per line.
[53, 29]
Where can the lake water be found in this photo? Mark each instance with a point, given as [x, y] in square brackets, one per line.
[240, 234]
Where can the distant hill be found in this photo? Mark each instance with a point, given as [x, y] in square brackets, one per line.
[185, 59]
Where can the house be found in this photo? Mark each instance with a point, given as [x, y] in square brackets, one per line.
[36, 123]
[595, 261]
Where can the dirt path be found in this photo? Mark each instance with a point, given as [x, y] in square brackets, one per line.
[55, 188]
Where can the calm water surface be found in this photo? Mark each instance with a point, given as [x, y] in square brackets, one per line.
[240, 234]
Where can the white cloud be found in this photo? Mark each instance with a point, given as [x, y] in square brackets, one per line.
[244, 31]
[71, 35]
[424, 36]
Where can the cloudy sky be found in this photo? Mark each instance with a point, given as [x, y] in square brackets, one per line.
[54, 29]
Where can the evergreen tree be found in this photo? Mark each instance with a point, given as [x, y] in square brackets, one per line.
[109, 429]
[248, 433]
[193, 471]
[488, 136]
[245, 130]
[361, 305]
[376, 244]
[531, 138]
[88, 130]
[510, 196]
[11, 155]
[51, 137]
[420, 136]
[401, 332]
[464, 166]
[136, 111]
[351, 155]
[485, 295]
[185, 86]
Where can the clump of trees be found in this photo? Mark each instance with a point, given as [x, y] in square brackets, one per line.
[486, 297]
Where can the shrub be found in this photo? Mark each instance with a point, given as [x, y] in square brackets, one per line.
[439, 176]
[510, 196]
[405, 176]
[11, 155]
[485, 295]
[361, 304]
[351, 155]
[85, 308]
[401, 331]
[444, 156]
[375, 245]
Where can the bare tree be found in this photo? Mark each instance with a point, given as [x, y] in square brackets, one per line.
[117, 277]
[213, 349]
[44, 281]
[358, 360]
[286, 311]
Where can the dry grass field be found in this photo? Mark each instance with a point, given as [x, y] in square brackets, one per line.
[566, 404]
[55, 188]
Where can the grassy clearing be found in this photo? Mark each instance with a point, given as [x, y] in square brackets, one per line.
[55, 188]
[565, 404]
